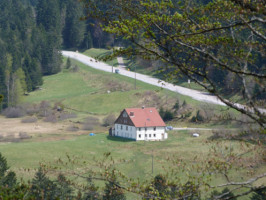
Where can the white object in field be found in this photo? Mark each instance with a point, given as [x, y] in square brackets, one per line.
[195, 135]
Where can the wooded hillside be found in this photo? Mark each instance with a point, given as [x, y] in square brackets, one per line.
[32, 33]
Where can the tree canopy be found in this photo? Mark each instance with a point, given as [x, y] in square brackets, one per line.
[218, 44]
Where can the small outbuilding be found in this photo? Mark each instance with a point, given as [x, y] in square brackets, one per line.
[139, 124]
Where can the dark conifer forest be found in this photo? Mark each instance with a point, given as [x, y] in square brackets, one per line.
[32, 33]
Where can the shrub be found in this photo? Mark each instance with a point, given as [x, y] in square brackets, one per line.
[50, 118]
[72, 128]
[29, 120]
[75, 69]
[32, 109]
[168, 115]
[90, 122]
[200, 116]
[24, 135]
[176, 106]
[14, 112]
[109, 120]
[87, 127]
[45, 108]
[64, 116]
[59, 106]
[68, 63]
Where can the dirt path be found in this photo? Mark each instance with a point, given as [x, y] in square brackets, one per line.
[12, 128]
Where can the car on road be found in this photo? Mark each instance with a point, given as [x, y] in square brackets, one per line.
[117, 71]
[169, 128]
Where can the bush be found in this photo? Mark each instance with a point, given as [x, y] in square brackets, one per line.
[29, 120]
[200, 116]
[109, 120]
[176, 106]
[24, 135]
[45, 108]
[14, 112]
[75, 69]
[50, 118]
[72, 128]
[168, 115]
[32, 109]
[64, 116]
[87, 127]
[90, 122]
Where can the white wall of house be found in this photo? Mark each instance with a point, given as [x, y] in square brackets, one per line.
[125, 131]
[148, 133]
[151, 133]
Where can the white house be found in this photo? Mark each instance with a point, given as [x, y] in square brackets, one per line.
[140, 124]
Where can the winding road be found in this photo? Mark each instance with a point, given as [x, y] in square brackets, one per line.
[197, 95]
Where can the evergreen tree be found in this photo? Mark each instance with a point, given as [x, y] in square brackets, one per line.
[7, 178]
[48, 19]
[42, 187]
[73, 33]
[68, 63]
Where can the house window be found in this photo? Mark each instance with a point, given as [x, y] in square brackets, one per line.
[139, 129]
[121, 127]
[139, 136]
[126, 127]
[145, 135]
[154, 128]
[154, 135]
[149, 135]
[145, 129]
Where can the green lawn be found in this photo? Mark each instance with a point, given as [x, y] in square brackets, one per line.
[86, 90]
[137, 156]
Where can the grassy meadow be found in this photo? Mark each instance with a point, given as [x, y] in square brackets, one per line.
[87, 91]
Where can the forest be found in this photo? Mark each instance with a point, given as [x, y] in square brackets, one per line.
[32, 33]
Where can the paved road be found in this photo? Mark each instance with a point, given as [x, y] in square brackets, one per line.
[197, 95]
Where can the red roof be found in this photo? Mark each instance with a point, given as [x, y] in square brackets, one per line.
[145, 117]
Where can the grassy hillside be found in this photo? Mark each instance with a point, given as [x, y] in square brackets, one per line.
[98, 92]
[140, 68]
[100, 53]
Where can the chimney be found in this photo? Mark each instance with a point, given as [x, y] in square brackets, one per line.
[131, 114]
[143, 107]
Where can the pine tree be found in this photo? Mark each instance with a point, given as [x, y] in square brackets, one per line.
[68, 63]
[42, 187]
[7, 178]
[74, 29]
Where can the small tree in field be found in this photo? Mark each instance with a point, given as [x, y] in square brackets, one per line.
[68, 63]
[109, 120]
